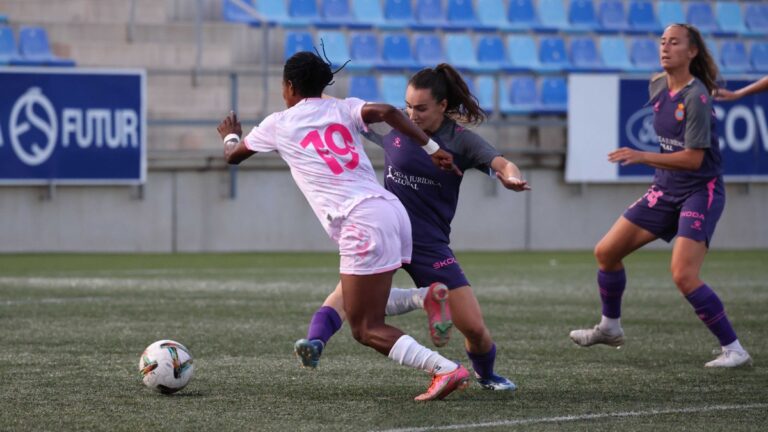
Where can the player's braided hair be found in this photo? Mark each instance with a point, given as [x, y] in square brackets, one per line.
[309, 73]
[702, 66]
[444, 82]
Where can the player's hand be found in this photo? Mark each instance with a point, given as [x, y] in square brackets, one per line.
[725, 95]
[230, 125]
[626, 156]
[444, 160]
[513, 183]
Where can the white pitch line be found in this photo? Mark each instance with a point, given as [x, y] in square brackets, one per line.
[581, 417]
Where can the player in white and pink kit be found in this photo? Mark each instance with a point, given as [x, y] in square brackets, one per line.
[320, 141]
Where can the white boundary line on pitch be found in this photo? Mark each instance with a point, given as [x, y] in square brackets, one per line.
[581, 417]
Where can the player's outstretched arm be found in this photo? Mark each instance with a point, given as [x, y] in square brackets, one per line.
[231, 131]
[756, 87]
[689, 159]
[509, 174]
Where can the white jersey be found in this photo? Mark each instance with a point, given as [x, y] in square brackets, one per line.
[319, 139]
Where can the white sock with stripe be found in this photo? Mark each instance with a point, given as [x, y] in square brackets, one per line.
[406, 351]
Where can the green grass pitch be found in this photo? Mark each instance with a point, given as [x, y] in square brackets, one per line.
[72, 328]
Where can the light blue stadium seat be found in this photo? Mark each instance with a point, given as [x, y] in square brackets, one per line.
[522, 53]
[552, 54]
[641, 16]
[9, 52]
[581, 15]
[518, 95]
[232, 12]
[484, 89]
[670, 12]
[365, 87]
[584, 55]
[700, 15]
[611, 16]
[554, 95]
[521, 16]
[460, 52]
[429, 15]
[303, 11]
[428, 48]
[491, 53]
[733, 57]
[334, 13]
[296, 41]
[730, 19]
[335, 46]
[364, 50]
[491, 13]
[460, 15]
[393, 88]
[613, 50]
[275, 12]
[756, 16]
[396, 52]
[34, 48]
[398, 13]
[644, 53]
[552, 15]
[3, 18]
[759, 56]
[368, 12]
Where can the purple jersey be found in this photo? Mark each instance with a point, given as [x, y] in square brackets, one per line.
[429, 194]
[685, 120]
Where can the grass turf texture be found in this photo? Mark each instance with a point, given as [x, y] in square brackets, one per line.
[72, 328]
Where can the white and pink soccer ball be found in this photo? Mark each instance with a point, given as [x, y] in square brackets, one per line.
[166, 366]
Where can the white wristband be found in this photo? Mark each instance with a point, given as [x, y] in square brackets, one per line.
[431, 147]
[232, 137]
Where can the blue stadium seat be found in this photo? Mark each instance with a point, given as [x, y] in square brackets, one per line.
[670, 12]
[34, 48]
[429, 15]
[484, 89]
[700, 15]
[429, 49]
[554, 95]
[296, 41]
[733, 57]
[398, 13]
[275, 12]
[581, 14]
[518, 95]
[641, 17]
[552, 54]
[338, 13]
[335, 46]
[584, 56]
[522, 54]
[364, 87]
[396, 52]
[9, 53]
[303, 12]
[713, 48]
[644, 53]
[364, 50]
[232, 12]
[521, 16]
[491, 14]
[611, 16]
[730, 19]
[756, 16]
[460, 52]
[368, 12]
[461, 15]
[552, 15]
[613, 50]
[393, 88]
[491, 53]
[759, 56]
[3, 18]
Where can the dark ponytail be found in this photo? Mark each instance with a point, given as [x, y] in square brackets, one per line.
[702, 66]
[445, 83]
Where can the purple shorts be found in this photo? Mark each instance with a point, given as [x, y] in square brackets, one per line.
[693, 215]
[435, 263]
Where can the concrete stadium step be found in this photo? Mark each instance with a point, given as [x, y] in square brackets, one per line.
[147, 55]
[214, 34]
[75, 11]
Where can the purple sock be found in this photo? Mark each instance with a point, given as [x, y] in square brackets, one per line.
[483, 363]
[325, 322]
[711, 312]
[611, 285]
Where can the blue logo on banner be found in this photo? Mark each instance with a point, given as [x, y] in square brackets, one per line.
[74, 127]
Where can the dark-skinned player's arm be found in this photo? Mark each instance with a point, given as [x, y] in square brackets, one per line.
[231, 133]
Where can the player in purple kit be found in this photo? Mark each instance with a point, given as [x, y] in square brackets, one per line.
[435, 99]
[685, 200]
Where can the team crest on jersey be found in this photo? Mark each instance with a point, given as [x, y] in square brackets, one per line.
[680, 112]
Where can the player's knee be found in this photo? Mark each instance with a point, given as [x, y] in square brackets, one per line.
[685, 279]
[362, 334]
[476, 333]
[603, 255]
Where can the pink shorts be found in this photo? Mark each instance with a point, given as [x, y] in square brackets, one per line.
[374, 238]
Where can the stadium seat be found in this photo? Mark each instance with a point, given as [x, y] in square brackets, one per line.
[460, 52]
[584, 56]
[521, 16]
[518, 95]
[611, 16]
[552, 54]
[759, 56]
[335, 46]
[756, 16]
[364, 50]
[491, 53]
[491, 14]
[232, 12]
[670, 12]
[3, 18]
[522, 54]
[484, 89]
[364, 87]
[275, 12]
[296, 41]
[733, 57]
[34, 48]
[644, 53]
[554, 95]
[396, 52]
[700, 15]
[552, 15]
[303, 12]
[428, 49]
[581, 14]
[641, 17]
[398, 13]
[9, 53]
[613, 50]
[368, 12]
[338, 13]
[460, 15]
[730, 19]
[429, 15]
[393, 88]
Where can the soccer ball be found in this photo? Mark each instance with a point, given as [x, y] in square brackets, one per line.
[166, 366]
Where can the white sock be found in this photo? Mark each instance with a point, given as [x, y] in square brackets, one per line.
[406, 351]
[404, 300]
[610, 325]
[735, 345]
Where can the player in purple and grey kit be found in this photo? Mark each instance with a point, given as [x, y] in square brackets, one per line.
[435, 98]
[685, 200]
